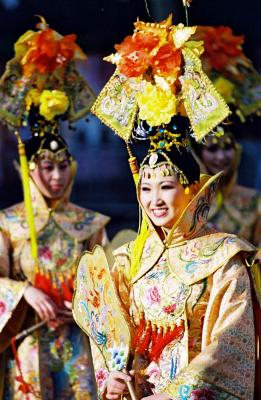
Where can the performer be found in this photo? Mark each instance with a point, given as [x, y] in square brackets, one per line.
[53, 362]
[235, 209]
[184, 287]
[186, 290]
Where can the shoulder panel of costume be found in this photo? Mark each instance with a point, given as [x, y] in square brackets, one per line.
[80, 223]
[14, 220]
[202, 256]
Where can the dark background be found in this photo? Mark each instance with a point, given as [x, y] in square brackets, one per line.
[104, 182]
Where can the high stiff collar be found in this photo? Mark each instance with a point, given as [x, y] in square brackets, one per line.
[192, 250]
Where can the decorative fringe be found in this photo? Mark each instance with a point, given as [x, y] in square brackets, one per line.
[57, 287]
[139, 331]
[150, 340]
[143, 344]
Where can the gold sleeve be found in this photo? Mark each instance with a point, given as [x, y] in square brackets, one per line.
[225, 366]
[12, 307]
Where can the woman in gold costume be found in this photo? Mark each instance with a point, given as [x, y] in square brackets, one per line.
[185, 290]
[183, 286]
[54, 361]
[41, 237]
[236, 208]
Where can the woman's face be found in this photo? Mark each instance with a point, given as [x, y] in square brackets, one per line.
[217, 158]
[163, 198]
[52, 177]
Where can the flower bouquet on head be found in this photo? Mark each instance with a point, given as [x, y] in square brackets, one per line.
[43, 74]
[158, 76]
[232, 73]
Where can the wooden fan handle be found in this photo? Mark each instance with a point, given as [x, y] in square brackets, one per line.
[130, 387]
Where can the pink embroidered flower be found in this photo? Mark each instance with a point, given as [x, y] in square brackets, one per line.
[45, 252]
[202, 394]
[153, 295]
[170, 309]
[153, 372]
[101, 376]
[2, 308]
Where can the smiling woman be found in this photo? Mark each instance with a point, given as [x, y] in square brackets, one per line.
[184, 287]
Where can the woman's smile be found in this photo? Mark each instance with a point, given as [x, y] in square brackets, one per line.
[159, 212]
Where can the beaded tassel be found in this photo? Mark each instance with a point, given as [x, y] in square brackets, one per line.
[150, 340]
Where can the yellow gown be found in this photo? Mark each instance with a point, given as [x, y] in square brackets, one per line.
[190, 309]
[56, 364]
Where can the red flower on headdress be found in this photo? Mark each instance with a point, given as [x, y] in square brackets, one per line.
[136, 53]
[167, 61]
[47, 52]
[221, 46]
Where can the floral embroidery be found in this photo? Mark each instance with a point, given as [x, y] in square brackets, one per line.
[101, 377]
[202, 394]
[45, 252]
[2, 308]
[153, 295]
[170, 309]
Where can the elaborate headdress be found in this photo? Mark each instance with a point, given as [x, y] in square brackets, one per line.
[235, 78]
[160, 92]
[159, 79]
[41, 85]
[232, 73]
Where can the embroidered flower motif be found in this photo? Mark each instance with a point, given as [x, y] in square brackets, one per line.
[101, 376]
[2, 308]
[153, 295]
[170, 309]
[202, 394]
[45, 252]
[153, 371]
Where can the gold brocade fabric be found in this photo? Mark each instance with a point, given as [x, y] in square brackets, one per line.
[56, 363]
[196, 278]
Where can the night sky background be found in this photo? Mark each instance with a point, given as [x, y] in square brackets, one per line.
[104, 182]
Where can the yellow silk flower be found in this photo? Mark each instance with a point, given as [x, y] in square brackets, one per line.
[53, 103]
[156, 106]
[225, 88]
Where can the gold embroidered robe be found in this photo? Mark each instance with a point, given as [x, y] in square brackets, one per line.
[56, 364]
[197, 279]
